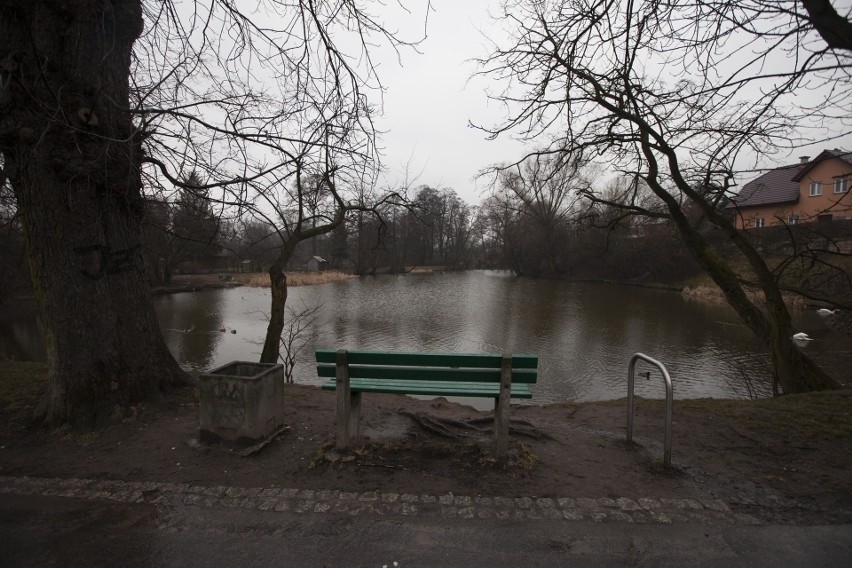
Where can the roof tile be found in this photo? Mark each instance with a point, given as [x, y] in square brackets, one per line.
[775, 186]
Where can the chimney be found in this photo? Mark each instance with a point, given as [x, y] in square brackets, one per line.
[804, 159]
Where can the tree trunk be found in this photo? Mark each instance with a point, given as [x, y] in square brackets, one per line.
[272, 343]
[168, 271]
[833, 28]
[278, 282]
[791, 368]
[72, 156]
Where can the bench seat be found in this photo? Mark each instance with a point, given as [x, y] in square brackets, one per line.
[483, 375]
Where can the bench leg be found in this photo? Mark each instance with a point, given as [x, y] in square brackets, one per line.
[501, 428]
[501, 408]
[348, 405]
[354, 415]
[348, 417]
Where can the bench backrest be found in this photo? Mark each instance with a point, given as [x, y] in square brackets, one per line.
[474, 367]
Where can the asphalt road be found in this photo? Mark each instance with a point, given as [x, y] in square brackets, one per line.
[38, 530]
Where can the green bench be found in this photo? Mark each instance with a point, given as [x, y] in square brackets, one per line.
[483, 375]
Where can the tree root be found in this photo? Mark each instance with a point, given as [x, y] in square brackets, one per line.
[436, 426]
[448, 428]
[384, 465]
[518, 427]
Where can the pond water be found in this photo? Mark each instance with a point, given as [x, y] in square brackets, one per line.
[583, 333]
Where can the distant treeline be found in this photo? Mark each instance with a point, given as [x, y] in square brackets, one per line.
[534, 228]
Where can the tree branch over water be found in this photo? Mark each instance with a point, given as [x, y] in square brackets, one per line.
[671, 95]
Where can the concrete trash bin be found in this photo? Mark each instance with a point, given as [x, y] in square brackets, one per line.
[241, 402]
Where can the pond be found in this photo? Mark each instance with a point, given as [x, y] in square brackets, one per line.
[583, 333]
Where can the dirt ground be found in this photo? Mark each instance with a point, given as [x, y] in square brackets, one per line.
[787, 460]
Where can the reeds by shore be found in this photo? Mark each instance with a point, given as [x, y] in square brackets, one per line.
[295, 278]
[714, 295]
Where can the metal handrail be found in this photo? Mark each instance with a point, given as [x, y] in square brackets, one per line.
[667, 451]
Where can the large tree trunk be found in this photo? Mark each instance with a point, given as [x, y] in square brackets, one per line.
[791, 368]
[72, 156]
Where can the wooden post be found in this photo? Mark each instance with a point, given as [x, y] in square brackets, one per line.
[344, 401]
[354, 415]
[501, 407]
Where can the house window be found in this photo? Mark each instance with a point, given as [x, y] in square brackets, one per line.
[816, 188]
[824, 218]
[758, 222]
[841, 184]
[792, 219]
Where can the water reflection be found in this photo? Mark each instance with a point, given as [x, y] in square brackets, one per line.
[192, 325]
[584, 333]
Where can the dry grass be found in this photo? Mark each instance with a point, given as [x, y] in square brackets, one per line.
[823, 415]
[811, 416]
[713, 295]
[525, 459]
[295, 278]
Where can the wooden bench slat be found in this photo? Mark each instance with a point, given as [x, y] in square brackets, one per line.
[429, 373]
[470, 360]
[437, 388]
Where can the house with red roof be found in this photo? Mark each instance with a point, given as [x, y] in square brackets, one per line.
[812, 190]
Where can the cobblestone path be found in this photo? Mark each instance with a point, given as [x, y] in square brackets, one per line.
[333, 502]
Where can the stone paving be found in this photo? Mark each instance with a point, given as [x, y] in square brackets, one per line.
[307, 501]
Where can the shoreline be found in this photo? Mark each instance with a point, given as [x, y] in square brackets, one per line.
[197, 282]
[705, 293]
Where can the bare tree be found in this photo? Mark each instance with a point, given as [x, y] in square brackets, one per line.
[672, 94]
[174, 232]
[544, 191]
[298, 332]
[301, 221]
[102, 98]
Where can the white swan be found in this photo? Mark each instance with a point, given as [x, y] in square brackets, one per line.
[826, 312]
[802, 337]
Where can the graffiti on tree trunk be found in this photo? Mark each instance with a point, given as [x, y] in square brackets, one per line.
[101, 260]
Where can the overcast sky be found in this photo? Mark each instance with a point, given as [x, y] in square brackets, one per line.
[431, 98]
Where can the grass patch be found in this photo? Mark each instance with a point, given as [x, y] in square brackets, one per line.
[21, 384]
[813, 416]
[525, 459]
[823, 415]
